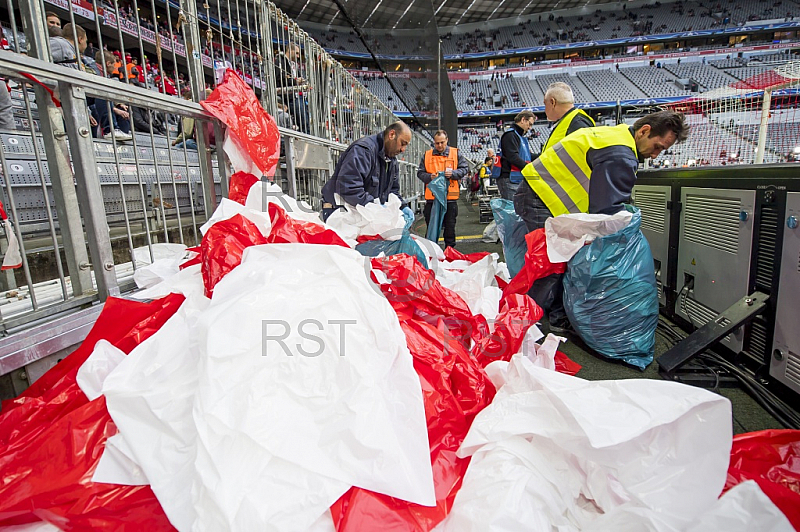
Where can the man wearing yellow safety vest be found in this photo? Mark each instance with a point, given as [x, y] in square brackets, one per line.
[559, 106]
[594, 169]
[443, 158]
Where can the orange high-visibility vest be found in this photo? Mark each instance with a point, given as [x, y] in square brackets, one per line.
[439, 163]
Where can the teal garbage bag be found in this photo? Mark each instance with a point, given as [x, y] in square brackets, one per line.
[512, 231]
[438, 187]
[405, 244]
[610, 295]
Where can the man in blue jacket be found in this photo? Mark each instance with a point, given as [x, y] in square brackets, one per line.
[368, 169]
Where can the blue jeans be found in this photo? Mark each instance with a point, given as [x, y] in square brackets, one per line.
[191, 144]
[506, 188]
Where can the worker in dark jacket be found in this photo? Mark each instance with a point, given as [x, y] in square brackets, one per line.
[559, 106]
[515, 154]
[594, 169]
[367, 170]
[448, 160]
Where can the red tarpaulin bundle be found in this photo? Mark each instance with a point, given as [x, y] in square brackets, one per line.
[235, 104]
[52, 437]
[240, 185]
[222, 248]
[537, 265]
[454, 388]
[772, 459]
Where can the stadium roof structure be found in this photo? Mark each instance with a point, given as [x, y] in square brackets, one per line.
[410, 14]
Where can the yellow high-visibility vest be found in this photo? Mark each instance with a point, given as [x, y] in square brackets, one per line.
[560, 176]
[563, 125]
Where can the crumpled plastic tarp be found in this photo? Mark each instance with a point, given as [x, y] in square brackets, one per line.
[610, 295]
[325, 405]
[771, 458]
[567, 234]
[254, 130]
[239, 186]
[166, 260]
[555, 452]
[438, 328]
[438, 187]
[512, 231]
[405, 244]
[52, 436]
[353, 221]
[536, 265]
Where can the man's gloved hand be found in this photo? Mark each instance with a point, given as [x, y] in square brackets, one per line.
[408, 214]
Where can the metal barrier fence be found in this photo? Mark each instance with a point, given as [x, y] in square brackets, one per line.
[90, 187]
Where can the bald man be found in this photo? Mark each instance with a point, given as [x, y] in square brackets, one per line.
[367, 170]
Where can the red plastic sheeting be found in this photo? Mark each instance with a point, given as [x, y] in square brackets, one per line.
[772, 459]
[537, 265]
[240, 185]
[223, 246]
[235, 104]
[454, 387]
[415, 292]
[194, 260]
[452, 254]
[52, 437]
[517, 313]
[286, 229]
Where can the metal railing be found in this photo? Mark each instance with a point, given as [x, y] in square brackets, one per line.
[92, 186]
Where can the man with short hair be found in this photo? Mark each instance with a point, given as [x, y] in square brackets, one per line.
[593, 170]
[291, 83]
[367, 170]
[559, 106]
[52, 19]
[446, 159]
[515, 154]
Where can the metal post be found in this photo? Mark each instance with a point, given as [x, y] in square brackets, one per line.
[762, 130]
[197, 83]
[55, 146]
[76, 116]
[291, 178]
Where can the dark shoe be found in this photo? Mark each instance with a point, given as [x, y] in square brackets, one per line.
[562, 327]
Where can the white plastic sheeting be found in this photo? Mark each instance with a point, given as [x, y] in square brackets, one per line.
[474, 282]
[165, 260]
[371, 219]
[567, 234]
[237, 431]
[555, 452]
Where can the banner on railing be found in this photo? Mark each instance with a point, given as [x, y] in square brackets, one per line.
[79, 7]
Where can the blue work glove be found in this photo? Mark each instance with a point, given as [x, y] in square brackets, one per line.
[408, 214]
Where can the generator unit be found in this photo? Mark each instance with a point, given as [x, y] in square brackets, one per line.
[719, 235]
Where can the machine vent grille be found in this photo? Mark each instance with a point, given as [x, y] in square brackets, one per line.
[765, 258]
[758, 342]
[653, 205]
[793, 368]
[660, 289]
[712, 221]
[798, 262]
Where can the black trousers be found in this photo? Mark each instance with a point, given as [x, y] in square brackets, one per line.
[449, 225]
[548, 292]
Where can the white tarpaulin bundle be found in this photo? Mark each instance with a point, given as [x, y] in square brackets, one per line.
[261, 407]
[556, 452]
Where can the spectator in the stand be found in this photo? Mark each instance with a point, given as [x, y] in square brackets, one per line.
[108, 114]
[52, 19]
[3, 41]
[143, 118]
[516, 153]
[288, 72]
[187, 134]
[282, 117]
[6, 108]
